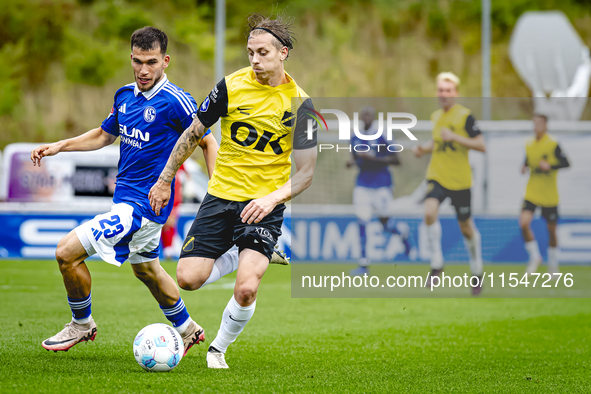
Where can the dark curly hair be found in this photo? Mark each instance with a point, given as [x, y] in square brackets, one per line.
[148, 38]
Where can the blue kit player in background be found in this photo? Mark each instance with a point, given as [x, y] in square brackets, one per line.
[372, 195]
[149, 116]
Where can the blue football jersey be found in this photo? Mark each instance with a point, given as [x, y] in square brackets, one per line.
[149, 125]
[372, 174]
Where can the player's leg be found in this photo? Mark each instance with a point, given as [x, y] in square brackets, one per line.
[241, 306]
[382, 207]
[362, 198]
[551, 216]
[473, 243]
[462, 200]
[168, 233]
[434, 197]
[433, 230]
[70, 255]
[166, 293]
[256, 244]
[205, 255]
[193, 272]
[531, 245]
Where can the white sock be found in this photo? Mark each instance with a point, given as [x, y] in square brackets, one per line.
[86, 320]
[183, 327]
[552, 260]
[234, 320]
[533, 251]
[434, 243]
[224, 265]
[474, 247]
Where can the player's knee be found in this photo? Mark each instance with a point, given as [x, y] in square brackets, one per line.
[430, 217]
[188, 279]
[245, 294]
[146, 277]
[63, 257]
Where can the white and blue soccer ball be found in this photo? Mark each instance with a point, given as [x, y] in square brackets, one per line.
[158, 348]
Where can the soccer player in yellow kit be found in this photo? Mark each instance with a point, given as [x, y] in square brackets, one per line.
[543, 158]
[449, 175]
[251, 180]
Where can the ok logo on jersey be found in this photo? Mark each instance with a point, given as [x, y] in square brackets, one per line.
[253, 136]
[444, 145]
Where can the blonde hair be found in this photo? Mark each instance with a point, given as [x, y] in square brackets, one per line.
[449, 76]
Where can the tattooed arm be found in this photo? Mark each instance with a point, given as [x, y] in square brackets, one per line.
[160, 193]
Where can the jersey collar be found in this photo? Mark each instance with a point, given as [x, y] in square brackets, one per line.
[152, 92]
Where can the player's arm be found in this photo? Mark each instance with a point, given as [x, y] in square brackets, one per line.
[91, 140]
[160, 193]
[524, 166]
[305, 161]
[422, 149]
[562, 160]
[544, 166]
[210, 152]
[474, 141]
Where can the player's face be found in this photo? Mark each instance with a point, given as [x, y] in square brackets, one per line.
[368, 118]
[539, 125]
[265, 59]
[447, 92]
[148, 67]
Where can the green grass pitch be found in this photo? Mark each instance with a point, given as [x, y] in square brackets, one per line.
[294, 345]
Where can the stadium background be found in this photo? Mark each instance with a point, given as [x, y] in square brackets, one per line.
[63, 61]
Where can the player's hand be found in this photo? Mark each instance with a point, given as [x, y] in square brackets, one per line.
[44, 150]
[544, 165]
[159, 196]
[418, 151]
[523, 169]
[447, 134]
[257, 209]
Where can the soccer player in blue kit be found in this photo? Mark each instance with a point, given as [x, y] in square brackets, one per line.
[148, 115]
[372, 194]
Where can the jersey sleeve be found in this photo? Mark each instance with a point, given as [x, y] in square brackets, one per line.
[111, 123]
[562, 160]
[303, 136]
[471, 127]
[184, 109]
[215, 105]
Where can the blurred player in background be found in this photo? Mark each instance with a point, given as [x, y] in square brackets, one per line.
[372, 194]
[251, 182]
[544, 158]
[169, 230]
[149, 115]
[449, 174]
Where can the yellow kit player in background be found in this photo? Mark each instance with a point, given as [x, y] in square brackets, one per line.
[449, 175]
[543, 158]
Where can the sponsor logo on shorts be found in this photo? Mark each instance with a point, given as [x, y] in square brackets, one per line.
[264, 233]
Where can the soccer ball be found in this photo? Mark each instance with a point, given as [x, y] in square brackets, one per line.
[158, 348]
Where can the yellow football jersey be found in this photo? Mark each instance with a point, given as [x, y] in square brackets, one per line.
[449, 164]
[257, 122]
[542, 188]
